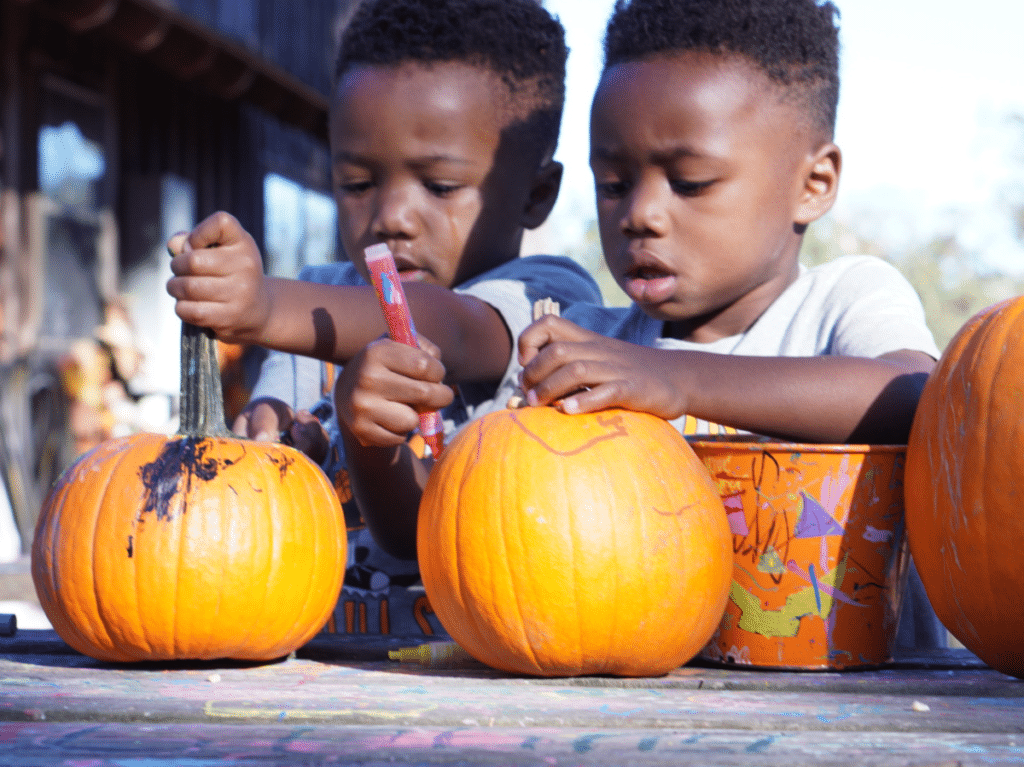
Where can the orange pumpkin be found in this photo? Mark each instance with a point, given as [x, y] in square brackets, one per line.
[195, 546]
[964, 485]
[560, 545]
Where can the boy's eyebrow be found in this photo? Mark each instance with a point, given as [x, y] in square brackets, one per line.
[356, 158]
[657, 157]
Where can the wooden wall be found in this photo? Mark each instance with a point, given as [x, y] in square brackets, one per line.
[153, 125]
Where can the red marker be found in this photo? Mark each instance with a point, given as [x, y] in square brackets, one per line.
[386, 282]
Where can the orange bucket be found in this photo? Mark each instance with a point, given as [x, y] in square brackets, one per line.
[820, 557]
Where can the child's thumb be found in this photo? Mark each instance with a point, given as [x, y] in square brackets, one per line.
[176, 244]
[429, 346]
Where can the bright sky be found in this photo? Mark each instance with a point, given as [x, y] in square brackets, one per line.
[925, 85]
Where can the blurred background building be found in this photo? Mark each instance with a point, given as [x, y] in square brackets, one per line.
[122, 122]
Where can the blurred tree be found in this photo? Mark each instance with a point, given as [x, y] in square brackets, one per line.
[1013, 192]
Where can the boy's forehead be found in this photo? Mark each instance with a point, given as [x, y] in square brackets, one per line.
[694, 70]
[460, 88]
[716, 90]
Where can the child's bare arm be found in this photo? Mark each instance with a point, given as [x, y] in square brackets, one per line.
[378, 397]
[819, 399]
[219, 284]
[387, 484]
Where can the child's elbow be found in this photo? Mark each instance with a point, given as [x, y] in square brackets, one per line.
[888, 419]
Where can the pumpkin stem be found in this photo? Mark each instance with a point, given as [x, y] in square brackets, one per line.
[202, 395]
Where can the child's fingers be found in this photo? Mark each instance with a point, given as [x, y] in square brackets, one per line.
[548, 330]
[366, 390]
[585, 386]
[589, 400]
[194, 288]
[385, 411]
[381, 392]
[405, 360]
[219, 228]
[264, 419]
[552, 377]
[177, 243]
[429, 346]
[560, 363]
[218, 246]
[382, 423]
[415, 394]
[217, 261]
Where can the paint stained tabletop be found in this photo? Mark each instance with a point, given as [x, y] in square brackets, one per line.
[342, 701]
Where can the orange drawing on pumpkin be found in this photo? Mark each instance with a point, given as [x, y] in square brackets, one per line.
[612, 422]
[678, 512]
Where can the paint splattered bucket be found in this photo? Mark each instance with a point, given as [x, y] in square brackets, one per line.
[820, 558]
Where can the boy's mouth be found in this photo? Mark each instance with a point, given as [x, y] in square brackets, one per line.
[648, 282]
[409, 271]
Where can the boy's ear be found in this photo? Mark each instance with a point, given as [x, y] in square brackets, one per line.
[543, 193]
[821, 184]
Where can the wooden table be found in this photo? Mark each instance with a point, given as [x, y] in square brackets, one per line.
[343, 702]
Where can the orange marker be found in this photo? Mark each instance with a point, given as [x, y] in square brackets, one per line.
[384, 275]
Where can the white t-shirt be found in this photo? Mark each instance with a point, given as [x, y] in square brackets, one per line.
[854, 306]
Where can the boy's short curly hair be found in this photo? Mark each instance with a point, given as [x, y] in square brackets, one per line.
[517, 40]
[794, 42]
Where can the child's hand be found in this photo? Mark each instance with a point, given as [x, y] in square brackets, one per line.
[219, 282]
[383, 389]
[271, 420]
[583, 371]
[263, 419]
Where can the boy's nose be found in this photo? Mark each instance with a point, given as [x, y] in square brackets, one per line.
[645, 212]
[395, 216]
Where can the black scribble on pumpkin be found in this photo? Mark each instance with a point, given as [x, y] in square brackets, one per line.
[182, 461]
[282, 461]
[131, 546]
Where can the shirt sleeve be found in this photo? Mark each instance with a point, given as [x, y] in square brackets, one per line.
[511, 289]
[877, 311]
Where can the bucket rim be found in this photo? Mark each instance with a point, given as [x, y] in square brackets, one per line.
[753, 443]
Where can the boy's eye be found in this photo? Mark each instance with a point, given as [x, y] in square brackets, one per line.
[441, 188]
[690, 188]
[353, 187]
[611, 190]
